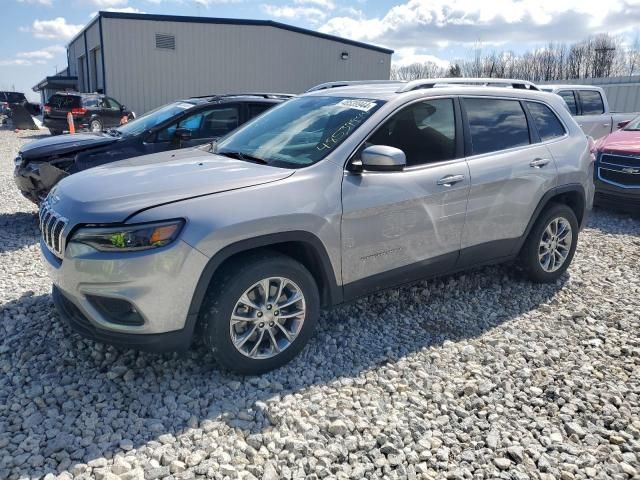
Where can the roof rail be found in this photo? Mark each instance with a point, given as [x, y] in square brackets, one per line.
[346, 83]
[247, 94]
[434, 82]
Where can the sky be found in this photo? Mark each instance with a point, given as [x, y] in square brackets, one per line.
[35, 32]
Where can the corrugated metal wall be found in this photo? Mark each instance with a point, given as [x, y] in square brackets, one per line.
[623, 93]
[89, 75]
[214, 58]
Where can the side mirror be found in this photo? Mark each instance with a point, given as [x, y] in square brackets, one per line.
[623, 124]
[182, 134]
[382, 158]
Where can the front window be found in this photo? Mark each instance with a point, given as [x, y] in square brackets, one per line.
[153, 118]
[633, 125]
[300, 132]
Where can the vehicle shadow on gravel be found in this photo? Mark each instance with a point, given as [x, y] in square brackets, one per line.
[19, 229]
[614, 222]
[66, 401]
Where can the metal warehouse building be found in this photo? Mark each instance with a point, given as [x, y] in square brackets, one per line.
[144, 60]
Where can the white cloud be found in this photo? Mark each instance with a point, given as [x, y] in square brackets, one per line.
[432, 23]
[409, 56]
[308, 14]
[56, 29]
[47, 3]
[16, 62]
[102, 4]
[121, 10]
[207, 3]
[328, 4]
[34, 57]
[47, 53]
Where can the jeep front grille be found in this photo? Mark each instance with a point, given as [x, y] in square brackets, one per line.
[52, 226]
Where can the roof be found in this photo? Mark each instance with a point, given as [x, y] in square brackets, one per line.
[56, 82]
[228, 21]
[389, 90]
[570, 86]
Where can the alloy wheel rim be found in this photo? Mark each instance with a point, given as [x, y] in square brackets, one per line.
[267, 318]
[555, 244]
[96, 127]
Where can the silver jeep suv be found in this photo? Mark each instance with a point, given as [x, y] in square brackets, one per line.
[330, 196]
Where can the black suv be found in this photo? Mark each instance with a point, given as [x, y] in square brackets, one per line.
[16, 98]
[184, 123]
[91, 111]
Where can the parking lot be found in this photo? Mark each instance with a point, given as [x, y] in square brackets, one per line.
[479, 375]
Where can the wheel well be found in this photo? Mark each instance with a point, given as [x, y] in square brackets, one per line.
[573, 199]
[300, 251]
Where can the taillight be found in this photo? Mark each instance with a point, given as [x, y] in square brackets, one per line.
[78, 111]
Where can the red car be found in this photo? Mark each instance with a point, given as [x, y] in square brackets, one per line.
[617, 175]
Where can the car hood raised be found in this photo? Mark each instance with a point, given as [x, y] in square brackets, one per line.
[118, 190]
[61, 144]
[622, 141]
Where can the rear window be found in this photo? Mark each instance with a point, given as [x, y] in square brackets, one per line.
[13, 97]
[547, 124]
[496, 124]
[64, 101]
[570, 99]
[591, 102]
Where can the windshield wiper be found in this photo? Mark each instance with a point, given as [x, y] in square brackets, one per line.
[243, 156]
[114, 132]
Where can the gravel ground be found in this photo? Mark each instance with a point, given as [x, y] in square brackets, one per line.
[480, 375]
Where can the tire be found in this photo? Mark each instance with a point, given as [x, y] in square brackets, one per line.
[541, 261]
[55, 132]
[95, 125]
[244, 278]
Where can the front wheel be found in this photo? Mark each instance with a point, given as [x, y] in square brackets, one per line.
[551, 244]
[260, 313]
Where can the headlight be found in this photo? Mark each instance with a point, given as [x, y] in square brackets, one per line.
[18, 160]
[127, 238]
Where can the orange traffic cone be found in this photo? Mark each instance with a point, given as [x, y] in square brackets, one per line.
[72, 127]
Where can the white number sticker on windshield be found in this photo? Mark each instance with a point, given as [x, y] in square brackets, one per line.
[357, 104]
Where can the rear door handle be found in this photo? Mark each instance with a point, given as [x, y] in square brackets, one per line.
[539, 162]
[450, 180]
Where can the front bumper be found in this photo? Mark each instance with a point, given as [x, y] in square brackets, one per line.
[158, 284]
[617, 198]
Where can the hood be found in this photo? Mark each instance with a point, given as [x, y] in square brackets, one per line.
[61, 144]
[621, 141]
[117, 190]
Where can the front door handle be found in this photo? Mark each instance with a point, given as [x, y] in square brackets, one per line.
[539, 162]
[450, 180]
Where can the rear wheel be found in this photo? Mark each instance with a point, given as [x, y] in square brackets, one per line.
[55, 132]
[95, 125]
[551, 244]
[260, 313]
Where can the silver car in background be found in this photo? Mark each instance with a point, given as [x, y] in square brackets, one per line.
[325, 198]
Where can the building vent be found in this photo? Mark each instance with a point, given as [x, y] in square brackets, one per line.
[165, 41]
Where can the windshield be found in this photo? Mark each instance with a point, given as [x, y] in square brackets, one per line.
[153, 118]
[299, 132]
[633, 124]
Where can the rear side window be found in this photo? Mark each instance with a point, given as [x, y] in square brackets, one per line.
[256, 109]
[591, 102]
[90, 102]
[496, 124]
[570, 99]
[546, 122]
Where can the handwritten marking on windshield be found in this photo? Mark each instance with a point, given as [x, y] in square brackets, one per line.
[341, 132]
